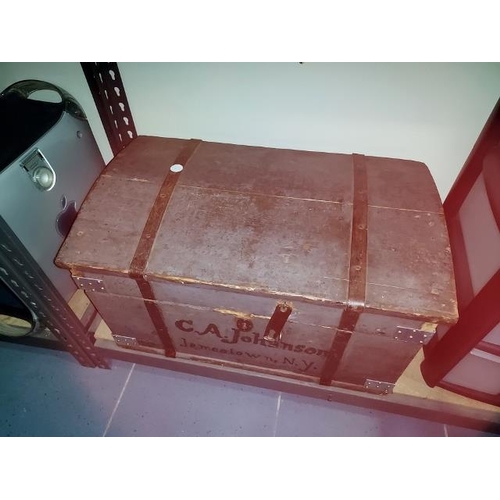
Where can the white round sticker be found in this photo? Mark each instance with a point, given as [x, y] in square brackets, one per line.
[176, 168]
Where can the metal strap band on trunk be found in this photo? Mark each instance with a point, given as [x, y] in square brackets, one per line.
[141, 256]
[356, 295]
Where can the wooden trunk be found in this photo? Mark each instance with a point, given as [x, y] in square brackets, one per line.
[342, 262]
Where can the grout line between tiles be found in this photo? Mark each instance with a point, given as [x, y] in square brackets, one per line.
[118, 401]
[278, 404]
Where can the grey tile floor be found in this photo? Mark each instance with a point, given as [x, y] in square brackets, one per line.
[47, 393]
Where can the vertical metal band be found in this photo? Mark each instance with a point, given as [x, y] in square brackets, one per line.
[356, 294]
[159, 206]
[359, 238]
[155, 315]
[141, 256]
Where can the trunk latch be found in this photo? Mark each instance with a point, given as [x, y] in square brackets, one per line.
[277, 322]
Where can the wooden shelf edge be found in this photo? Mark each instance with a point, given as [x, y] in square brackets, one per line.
[412, 406]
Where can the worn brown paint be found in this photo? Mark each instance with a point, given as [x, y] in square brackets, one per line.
[247, 228]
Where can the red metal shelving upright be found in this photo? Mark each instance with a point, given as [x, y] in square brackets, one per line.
[466, 359]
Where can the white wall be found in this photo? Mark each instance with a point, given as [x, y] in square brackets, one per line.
[428, 112]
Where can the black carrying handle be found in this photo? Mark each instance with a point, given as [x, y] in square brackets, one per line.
[491, 175]
[25, 88]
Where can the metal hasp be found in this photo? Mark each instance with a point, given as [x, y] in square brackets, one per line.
[413, 335]
[19, 269]
[379, 387]
[273, 330]
[89, 284]
[106, 86]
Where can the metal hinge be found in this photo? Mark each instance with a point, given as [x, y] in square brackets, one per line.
[125, 341]
[413, 335]
[90, 284]
[379, 387]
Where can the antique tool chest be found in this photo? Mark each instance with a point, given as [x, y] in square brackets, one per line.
[328, 268]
